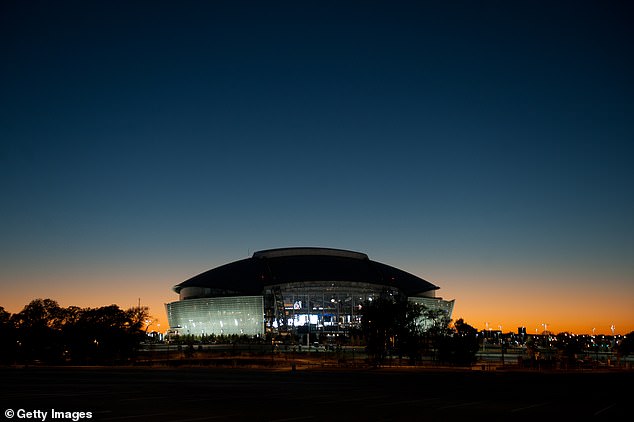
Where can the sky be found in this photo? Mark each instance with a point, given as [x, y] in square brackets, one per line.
[484, 146]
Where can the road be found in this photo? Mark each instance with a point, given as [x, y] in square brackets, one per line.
[201, 394]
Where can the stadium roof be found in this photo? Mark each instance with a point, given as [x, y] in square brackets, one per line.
[287, 265]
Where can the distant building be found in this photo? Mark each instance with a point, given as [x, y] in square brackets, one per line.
[297, 290]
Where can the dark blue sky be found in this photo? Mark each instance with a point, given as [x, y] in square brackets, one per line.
[471, 144]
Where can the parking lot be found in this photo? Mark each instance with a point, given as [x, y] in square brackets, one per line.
[198, 394]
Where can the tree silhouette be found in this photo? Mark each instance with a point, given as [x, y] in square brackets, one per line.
[8, 338]
[393, 326]
[569, 347]
[38, 331]
[626, 347]
[45, 332]
[459, 346]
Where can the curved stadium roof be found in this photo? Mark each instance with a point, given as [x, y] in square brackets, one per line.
[287, 265]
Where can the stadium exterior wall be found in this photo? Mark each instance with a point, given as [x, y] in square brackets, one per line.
[299, 290]
[218, 315]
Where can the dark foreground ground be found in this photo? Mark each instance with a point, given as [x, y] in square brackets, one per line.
[200, 394]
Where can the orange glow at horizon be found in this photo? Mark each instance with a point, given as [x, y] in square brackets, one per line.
[501, 303]
[557, 306]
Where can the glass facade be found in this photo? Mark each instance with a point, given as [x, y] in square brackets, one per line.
[325, 305]
[218, 315]
[433, 303]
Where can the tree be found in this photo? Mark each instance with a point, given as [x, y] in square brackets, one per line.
[38, 331]
[48, 333]
[434, 330]
[8, 337]
[459, 347]
[377, 325]
[466, 342]
[392, 326]
[626, 346]
[569, 347]
[107, 334]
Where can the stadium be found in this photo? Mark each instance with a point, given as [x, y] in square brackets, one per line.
[292, 290]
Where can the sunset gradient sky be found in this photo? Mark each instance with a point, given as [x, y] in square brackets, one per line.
[484, 146]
